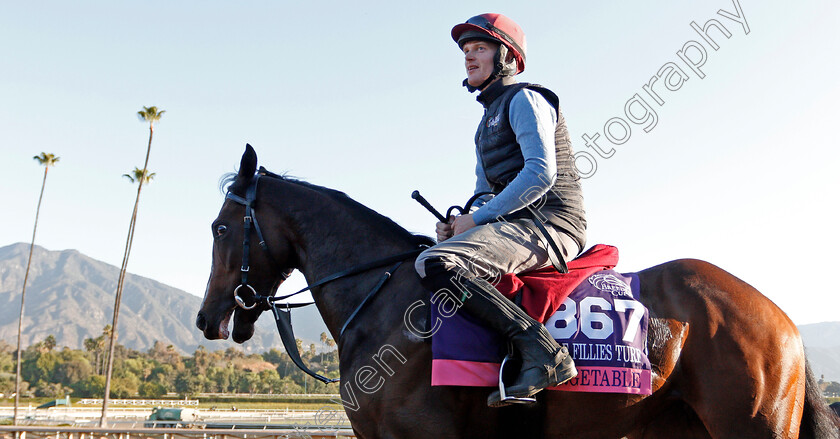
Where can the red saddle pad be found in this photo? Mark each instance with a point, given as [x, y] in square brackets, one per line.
[544, 290]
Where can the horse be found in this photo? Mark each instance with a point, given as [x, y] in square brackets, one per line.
[726, 361]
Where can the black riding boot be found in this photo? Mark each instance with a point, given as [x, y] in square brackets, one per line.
[544, 362]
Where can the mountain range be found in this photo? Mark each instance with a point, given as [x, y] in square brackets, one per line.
[71, 296]
[822, 346]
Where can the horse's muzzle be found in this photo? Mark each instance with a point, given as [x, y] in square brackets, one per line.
[213, 330]
[201, 321]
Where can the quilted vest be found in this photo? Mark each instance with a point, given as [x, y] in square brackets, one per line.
[501, 158]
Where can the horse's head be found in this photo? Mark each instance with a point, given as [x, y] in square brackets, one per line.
[241, 272]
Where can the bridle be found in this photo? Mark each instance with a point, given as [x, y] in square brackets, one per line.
[250, 218]
[268, 302]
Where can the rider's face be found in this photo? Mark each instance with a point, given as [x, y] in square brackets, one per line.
[478, 59]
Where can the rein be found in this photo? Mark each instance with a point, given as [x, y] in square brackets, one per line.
[283, 318]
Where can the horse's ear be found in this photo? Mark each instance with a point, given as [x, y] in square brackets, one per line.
[248, 165]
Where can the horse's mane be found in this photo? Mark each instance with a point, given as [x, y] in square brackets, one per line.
[229, 182]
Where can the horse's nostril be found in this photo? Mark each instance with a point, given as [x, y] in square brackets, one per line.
[201, 321]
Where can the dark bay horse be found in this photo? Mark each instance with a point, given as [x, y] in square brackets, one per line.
[727, 363]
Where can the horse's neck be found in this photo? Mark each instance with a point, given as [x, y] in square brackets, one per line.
[337, 243]
[332, 239]
[337, 300]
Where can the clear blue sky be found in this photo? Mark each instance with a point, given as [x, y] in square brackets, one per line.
[740, 169]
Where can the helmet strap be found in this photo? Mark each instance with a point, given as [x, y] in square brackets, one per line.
[486, 82]
[501, 66]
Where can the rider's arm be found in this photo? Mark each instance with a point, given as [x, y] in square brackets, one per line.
[533, 120]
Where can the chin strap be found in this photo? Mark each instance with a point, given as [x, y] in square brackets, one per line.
[472, 89]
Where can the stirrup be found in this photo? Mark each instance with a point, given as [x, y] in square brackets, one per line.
[505, 398]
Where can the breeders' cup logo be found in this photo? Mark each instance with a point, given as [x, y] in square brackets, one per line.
[493, 121]
[610, 284]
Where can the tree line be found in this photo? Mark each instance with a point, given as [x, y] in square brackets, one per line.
[48, 371]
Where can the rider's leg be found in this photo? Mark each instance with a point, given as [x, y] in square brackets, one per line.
[492, 250]
[544, 362]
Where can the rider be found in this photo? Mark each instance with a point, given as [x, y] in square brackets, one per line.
[524, 157]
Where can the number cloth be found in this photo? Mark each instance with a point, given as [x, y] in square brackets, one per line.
[598, 317]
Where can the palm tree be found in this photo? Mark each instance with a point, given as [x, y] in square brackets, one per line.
[50, 343]
[47, 160]
[150, 115]
[139, 174]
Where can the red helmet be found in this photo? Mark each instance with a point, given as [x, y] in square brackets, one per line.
[495, 27]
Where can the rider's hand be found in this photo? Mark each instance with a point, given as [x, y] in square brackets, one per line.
[444, 230]
[462, 223]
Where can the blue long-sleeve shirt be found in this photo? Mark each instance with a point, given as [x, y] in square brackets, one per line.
[533, 121]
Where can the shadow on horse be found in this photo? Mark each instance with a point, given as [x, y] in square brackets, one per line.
[726, 361]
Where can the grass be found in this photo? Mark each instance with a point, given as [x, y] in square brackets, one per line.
[289, 403]
[269, 405]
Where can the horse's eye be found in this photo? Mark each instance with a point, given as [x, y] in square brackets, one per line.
[221, 229]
